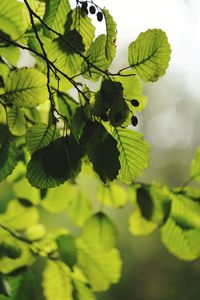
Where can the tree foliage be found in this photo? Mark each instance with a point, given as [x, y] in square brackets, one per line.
[63, 139]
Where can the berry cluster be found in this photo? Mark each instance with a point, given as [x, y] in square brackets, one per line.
[92, 9]
[134, 119]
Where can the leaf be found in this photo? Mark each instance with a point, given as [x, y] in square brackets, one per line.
[16, 121]
[132, 89]
[8, 264]
[82, 24]
[4, 287]
[54, 164]
[40, 136]
[100, 231]
[102, 151]
[55, 16]
[134, 154]
[67, 249]
[8, 153]
[35, 232]
[18, 216]
[79, 207]
[57, 281]
[23, 190]
[111, 30]
[10, 53]
[140, 226]
[64, 58]
[185, 212]
[82, 291]
[26, 88]
[102, 268]
[195, 166]
[97, 57]
[154, 202]
[185, 244]
[12, 18]
[112, 195]
[149, 54]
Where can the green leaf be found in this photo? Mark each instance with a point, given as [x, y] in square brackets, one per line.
[79, 208]
[97, 57]
[23, 190]
[55, 16]
[111, 30]
[12, 18]
[185, 244]
[149, 54]
[82, 23]
[140, 226]
[57, 281]
[40, 136]
[10, 53]
[195, 166]
[154, 202]
[66, 105]
[8, 153]
[100, 231]
[134, 153]
[26, 88]
[112, 195]
[185, 212]
[102, 268]
[8, 264]
[18, 216]
[64, 58]
[82, 291]
[16, 121]
[10, 250]
[4, 287]
[52, 165]
[102, 151]
[35, 232]
[67, 249]
[132, 89]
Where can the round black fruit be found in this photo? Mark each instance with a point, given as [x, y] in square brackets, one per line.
[134, 120]
[99, 16]
[92, 9]
[135, 102]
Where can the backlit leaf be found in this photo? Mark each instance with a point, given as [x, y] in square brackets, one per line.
[134, 153]
[149, 54]
[8, 153]
[57, 281]
[26, 88]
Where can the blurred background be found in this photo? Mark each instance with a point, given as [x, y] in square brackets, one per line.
[170, 124]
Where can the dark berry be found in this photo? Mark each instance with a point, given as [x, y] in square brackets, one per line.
[135, 102]
[84, 5]
[134, 120]
[117, 117]
[92, 9]
[99, 16]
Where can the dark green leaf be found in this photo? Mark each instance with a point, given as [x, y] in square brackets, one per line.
[8, 153]
[102, 151]
[40, 136]
[67, 249]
